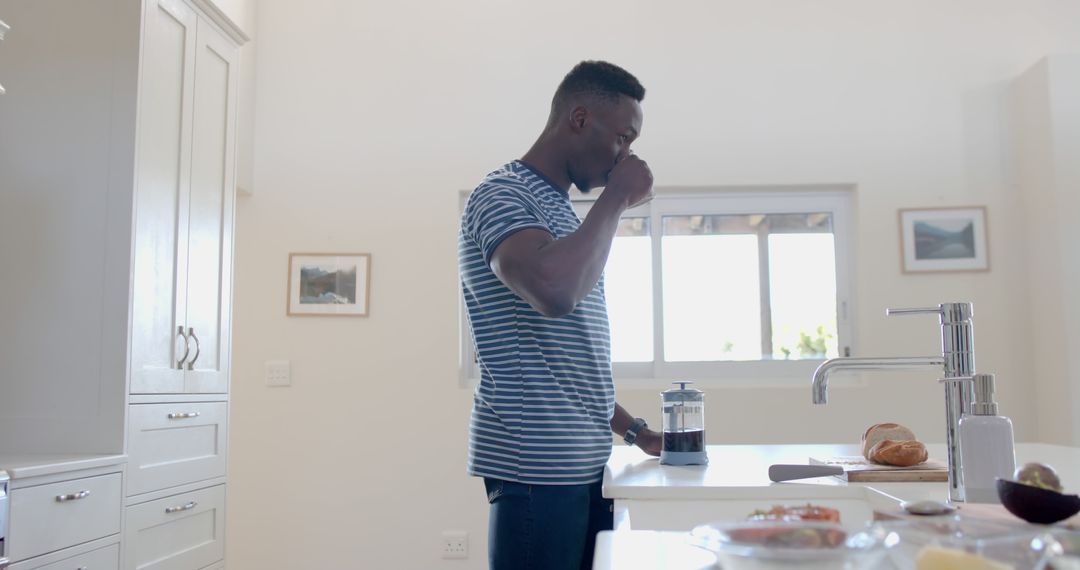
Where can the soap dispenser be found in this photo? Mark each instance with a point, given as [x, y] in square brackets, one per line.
[986, 444]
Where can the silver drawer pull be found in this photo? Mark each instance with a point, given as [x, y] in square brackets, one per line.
[72, 497]
[82, 568]
[183, 415]
[187, 507]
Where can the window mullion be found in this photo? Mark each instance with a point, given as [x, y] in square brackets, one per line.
[656, 231]
[764, 286]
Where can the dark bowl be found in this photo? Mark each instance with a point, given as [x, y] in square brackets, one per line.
[1035, 504]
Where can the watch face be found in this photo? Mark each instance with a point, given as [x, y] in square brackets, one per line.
[632, 431]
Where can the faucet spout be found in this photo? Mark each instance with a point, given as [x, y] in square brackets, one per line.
[821, 375]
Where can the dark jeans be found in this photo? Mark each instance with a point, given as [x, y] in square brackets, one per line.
[544, 527]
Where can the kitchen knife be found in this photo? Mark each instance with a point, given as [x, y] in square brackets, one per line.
[781, 472]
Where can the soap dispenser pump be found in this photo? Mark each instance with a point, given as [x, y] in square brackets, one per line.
[986, 444]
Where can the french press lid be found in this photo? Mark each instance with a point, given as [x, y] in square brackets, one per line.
[682, 393]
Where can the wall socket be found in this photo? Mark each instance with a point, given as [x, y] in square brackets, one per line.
[277, 373]
[455, 544]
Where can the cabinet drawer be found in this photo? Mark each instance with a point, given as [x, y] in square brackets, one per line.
[180, 532]
[55, 516]
[107, 558]
[173, 444]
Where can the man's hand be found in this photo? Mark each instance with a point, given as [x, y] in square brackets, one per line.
[650, 442]
[631, 181]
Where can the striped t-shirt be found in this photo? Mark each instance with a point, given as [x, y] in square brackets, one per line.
[541, 413]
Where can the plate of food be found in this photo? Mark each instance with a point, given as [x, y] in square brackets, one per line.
[799, 536]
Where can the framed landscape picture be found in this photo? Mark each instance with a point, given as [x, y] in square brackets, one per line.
[330, 284]
[944, 239]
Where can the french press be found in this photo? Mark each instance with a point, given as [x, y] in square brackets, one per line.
[684, 426]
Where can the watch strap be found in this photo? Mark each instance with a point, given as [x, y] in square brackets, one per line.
[635, 428]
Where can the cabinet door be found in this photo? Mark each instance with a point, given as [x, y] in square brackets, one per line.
[210, 233]
[162, 194]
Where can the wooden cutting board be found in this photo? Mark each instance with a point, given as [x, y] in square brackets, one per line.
[859, 470]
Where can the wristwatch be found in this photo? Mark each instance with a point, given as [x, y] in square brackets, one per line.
[632, 432]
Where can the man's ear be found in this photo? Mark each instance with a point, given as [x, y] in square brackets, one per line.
[579, 115]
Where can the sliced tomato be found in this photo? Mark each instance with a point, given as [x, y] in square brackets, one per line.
[806, 512]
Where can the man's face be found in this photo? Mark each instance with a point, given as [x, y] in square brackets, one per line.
[608, 130]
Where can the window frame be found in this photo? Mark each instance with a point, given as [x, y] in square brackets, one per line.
[838, 200]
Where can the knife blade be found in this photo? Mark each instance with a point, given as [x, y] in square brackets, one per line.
[787, 472]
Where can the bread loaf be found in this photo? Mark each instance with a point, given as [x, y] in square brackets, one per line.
[899, 453]
[878, 432]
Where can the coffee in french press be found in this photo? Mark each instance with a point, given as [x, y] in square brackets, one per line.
[683, 411]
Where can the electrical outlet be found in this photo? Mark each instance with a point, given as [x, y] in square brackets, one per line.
[455, 544]
[277, 373]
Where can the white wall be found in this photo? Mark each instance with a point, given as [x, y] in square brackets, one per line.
[372, 116]
[1046, 144]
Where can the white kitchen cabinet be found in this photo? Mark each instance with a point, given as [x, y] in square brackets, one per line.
[180, 532]
[182, 274]
[174, 444]
[117, 156]
[118, 159]
[45, 518]
[182, 288]
[106, 558]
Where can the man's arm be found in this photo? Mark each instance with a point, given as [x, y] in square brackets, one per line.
[648, 440]
[552, 275]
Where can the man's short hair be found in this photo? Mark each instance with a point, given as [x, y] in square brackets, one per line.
[600, 79]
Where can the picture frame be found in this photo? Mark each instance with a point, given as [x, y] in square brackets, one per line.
[329, 284]
[944, 239]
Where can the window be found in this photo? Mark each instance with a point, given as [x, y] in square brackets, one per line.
[730, 286]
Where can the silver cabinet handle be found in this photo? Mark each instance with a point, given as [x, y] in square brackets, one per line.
[183, 415]
[190, 505]
[198, 349]
[72, 496]
[187, 348]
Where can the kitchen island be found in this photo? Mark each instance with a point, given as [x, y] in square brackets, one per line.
[656, 505]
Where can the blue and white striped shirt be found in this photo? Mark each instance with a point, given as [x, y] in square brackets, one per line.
[541, 413]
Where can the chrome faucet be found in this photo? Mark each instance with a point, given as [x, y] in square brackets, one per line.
[957, 360]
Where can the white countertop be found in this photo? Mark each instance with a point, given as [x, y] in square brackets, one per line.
[739, 472]
[23, 465]
[631, 474]
[734, 470]
[742, 472]
[646, 549]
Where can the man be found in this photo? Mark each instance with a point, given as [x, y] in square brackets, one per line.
[532, 279]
